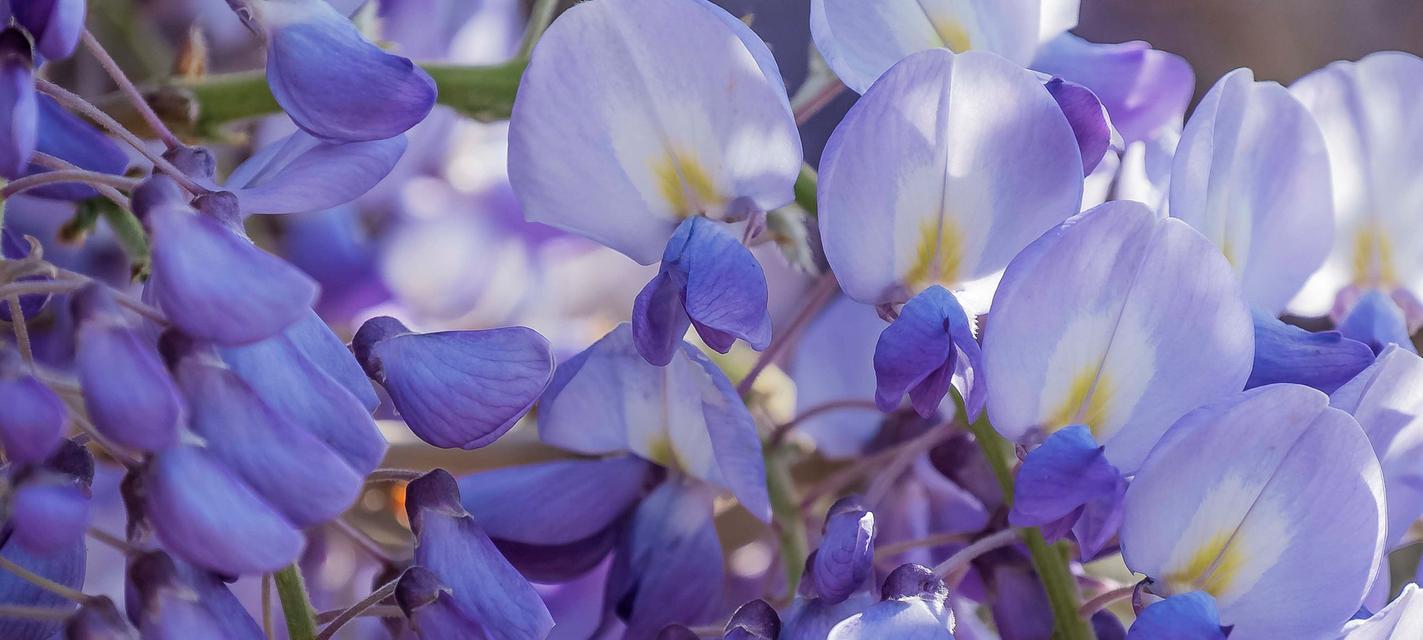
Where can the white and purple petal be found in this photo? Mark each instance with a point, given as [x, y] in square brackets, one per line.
[1143, 89]
[1252, 174]
[943, 171]
[1117, 320]
[682, 112]
[300, 173]
[1283, 522]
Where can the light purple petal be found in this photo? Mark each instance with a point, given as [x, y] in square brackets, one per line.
[127, 392]
[319, 344]
[834, 360]
[54, 24]
[334, 83]
[33, 421]
[683, 112]
[72, 139]
[941, 173]
[457, 388]
[19, 113]
[1117, 320]
[1286, 353]
[1377, 321]
[669, 569]
[317, 177]
[1402, 618]
[48, 514]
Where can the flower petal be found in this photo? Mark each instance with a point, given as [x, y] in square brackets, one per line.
[669, 569]
[54, 24]
[431, 607]
[1364, 109]
[72, 139]
[834, 361]
[128, 394]
[845, 557]
[941, 173]
[1283, 522]
[203, 513]
[65, 567]
[860, 41]
[725, 287]
[455, 550]
[315, 177]
[916, 354]
[1286, 353]
[1088, 118]
[1402, 618]
[32, 423]
[19, 112]
[1117, 320]
[457, 388]
[1143, 89]
[684, 416]
[217, 286]
[554, 503]
[334, 83]
[285, 464]
[682, 111]
[1188, 616]
[1377, 321]
[48, 514]
[315, 340]
[1252, 175]
[659, 320]
[1387, 400]
[1061, 476]
[912, 609]
[302, 395]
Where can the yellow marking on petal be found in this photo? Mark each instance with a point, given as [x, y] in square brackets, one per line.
[1373, 257]
[938, 254]
[661, 451]
[685, 184]
[953, 34]
[1212, 568]
[1086, 402]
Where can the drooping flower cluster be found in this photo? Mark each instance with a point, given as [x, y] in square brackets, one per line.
[1019, 328]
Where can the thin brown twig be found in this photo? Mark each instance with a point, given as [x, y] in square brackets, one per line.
[127, 87]
[820, 294]
[781, 431]
[65, 175]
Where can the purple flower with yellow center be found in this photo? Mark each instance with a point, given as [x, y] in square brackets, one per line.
[335, 84]
[1282, 525]
[1115, 323]
[918, 195]
[1363, 110]
[684, 125]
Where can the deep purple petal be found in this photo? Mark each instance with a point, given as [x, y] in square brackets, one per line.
[286, 465]
[554, 503]
[19, 117]
[1376, 320]
[1142, 88]
[1068, 471]
[33, 419]
[1098, 522]
[919, 347]
[334, 83]
[1188, 616]
[319, 344]
[433, 612]
[203, 513]
[725, 287]
[217, 286]
[127, 391]
[669, 569]
[1088, 119]
[755, 620]
[54, 24]
[69, 138]
[299, 391]
[1321, 359]
[557, 564]
[658, 318]
[65, 567]
[846, 555]
[168, 598]
[49, 514]
[459, 388]
[321, 176]
[457, 551]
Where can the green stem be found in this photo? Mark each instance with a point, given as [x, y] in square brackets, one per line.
[291, 591]
[785, 510]
[805, 185]
[1050, 561]
[480, 92]
[539, 18]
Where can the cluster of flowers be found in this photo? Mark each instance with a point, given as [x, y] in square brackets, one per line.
[1036, 253]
